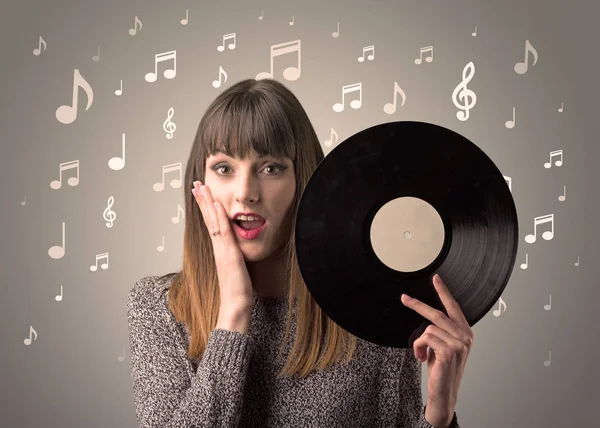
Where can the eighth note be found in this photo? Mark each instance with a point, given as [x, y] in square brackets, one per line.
[423, 50]
[175, 184]
[217, 83]
[547, 235]
[104, 266]
[231, 46]
[355, 104]
[498, 312]
[558, 162]
[390, 108]
[175, 220]
[521, 67]
[370, 57]
[133, 31]
[330, 141]
[38, 50]
[68, 113]
[169, 73]
[28, 341]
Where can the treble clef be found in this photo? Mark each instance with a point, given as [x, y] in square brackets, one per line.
[169, 126]
[462, 93]
[108, 214]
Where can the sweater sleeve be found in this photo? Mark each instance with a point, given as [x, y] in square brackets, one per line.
[164, 394]
[411, 411]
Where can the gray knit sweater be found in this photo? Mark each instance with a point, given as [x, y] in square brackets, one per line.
[235, 382]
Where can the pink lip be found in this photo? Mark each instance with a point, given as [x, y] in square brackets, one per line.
[248, 234]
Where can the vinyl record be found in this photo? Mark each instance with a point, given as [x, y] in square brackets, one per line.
[388, 208]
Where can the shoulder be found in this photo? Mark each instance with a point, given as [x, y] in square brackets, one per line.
[148, 290]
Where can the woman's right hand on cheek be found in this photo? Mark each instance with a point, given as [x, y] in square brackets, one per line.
[235, 285]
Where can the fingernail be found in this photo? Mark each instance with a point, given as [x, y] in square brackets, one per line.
[202, 190]
[194, 192]
[406, 297]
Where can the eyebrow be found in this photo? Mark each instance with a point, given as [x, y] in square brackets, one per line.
[260, 157]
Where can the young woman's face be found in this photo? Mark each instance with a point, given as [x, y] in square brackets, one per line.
[265, 186]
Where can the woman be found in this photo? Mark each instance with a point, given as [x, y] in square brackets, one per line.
[208, 347]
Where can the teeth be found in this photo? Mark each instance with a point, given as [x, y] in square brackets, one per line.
[246, 218]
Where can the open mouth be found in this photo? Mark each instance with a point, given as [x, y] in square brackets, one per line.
[250, 225]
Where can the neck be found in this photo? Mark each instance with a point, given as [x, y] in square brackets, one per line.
[268, 275]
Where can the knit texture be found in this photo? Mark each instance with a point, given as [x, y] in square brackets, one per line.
[235, 382]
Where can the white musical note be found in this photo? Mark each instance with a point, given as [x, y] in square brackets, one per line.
[38, 50]
[121, 358]
[175, 184]
[133, 31]
[23, 203]
[558, 162]
[104, 266]
[118, 163]
[217, 83]
[498, 312]
[161, 248]
[184, 21]
[547, 235]
[231, 46]
[511, 123]
[262, 12]
[521, 67]
[474, 33]
[564, 195]
[329, 142]
[292, 21]
[577, 262]
[169, 73]
[175, 220]
[549, 306]
[168, 126]
[108, 214]
[290, 73]
[370, 57]
[59, 297]
[422, 51]
[548, 362]
[560, 110]
[27, 341]
[96, 58]
[336, 33]
[390, 108]
[72, 181]
[58, 251]
[526, 264]
[67, 114]
[119, 91]
[462, 93]
[355, 104]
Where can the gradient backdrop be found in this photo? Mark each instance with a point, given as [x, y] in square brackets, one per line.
[531, 365]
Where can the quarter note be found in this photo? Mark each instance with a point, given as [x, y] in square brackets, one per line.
[474, 33]
[561, 108]
[558, 162]
[38, 50]
[184, 21]
[133, 31]
[96, 58]
[25, 201]
[577, 262]
[121, 358]
[292, 21]
[355, 104]
[521, 67]
[511, 123]
[169, 73]
[370, 57]
[547, 235]
[217, 83]
[231, 46]
[422, 51]
[104, 266]
[564, 195]
[549, 361]
[175, 184]
[60, 296]
[119, 91]
[27, 341]
[336, 33]
[68, 113]
[526, 264]
[290, 73]
[117, 163]
[58, 251]
[72, 181]
[161, 248]
[549, 306]
[261, 15]
[390, 108]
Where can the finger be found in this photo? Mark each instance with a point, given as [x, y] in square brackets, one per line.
[212, 210]
[200, 200]
[435, 316]
[431, 338]
[452, 307]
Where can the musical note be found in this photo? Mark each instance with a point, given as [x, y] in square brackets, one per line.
[355, 104]
[561, 108]
[96, 58]
[547, 235]
[292, 21]
[184, 21]
[175, 184]
[462, 93]
[508, 181]
[175, 220]
[72, 181]
[474, 33]
[169, 73]
[390, 108]
[423, 50]
[231, 46]
[558, 162]
[526, 264]
[336, 33]
[564, 195]
[108, 214]
[28, 341]
[38, 50]
[521, 67]
[498, 312]
[370, 57]
[58, 251]
[511, 123]
[133, 31]
[548, 363]
[329, 142]
[169, 126]
[577, 262]
[59, 297]
[549, 306]
[261, 15]
[121, 358]
[118, 92]
[217, 83]
[161, 248]
[290, 73]
[118, 163]
[104, 266]
[67, 114]
[25, 201]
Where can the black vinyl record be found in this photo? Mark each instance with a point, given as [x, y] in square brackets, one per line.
[445, 170]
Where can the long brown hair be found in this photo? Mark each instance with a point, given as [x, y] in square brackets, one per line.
[264, 116]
